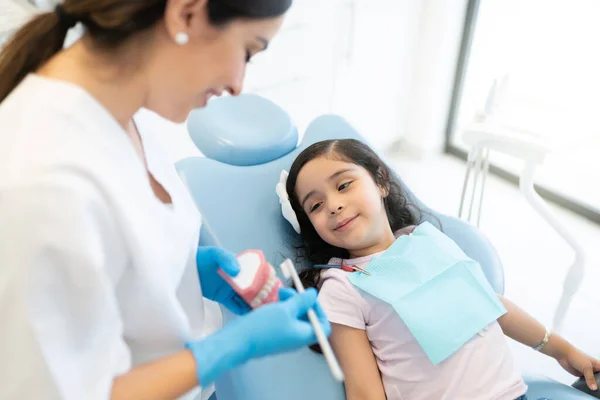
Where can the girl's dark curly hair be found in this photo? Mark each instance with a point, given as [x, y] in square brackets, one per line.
[399, 211]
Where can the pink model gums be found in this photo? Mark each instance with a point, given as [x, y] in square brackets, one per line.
[257, 283]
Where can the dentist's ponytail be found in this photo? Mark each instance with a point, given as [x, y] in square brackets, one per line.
[33, 45]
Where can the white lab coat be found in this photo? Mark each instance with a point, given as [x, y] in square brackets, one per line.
[96, 274]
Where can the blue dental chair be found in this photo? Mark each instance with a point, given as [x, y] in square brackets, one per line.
[247, 141]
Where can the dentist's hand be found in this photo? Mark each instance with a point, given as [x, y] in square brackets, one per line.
[284, 326]
[208, 261]
[271, 329]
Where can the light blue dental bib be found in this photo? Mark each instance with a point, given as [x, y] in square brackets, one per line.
[441, 294]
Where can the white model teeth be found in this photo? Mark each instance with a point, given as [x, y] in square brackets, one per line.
[270, 284]
[264, 293]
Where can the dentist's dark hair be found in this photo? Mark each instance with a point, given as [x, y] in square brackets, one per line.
[401, 213]
[109, 24]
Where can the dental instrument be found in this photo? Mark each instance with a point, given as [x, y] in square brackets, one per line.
[289, 271]
[344, 267]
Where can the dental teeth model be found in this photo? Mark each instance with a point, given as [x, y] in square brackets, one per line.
[257, 282]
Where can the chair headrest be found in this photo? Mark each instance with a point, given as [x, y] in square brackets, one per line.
[243, 130]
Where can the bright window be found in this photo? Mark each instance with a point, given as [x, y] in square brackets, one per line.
[550, 52]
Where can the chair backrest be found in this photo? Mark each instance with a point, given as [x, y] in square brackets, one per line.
[241, 211]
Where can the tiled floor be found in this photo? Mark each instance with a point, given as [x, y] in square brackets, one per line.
[534, 256]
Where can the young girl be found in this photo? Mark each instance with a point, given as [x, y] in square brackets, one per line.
[350, 209]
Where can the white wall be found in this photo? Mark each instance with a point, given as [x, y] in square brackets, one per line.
[13, 15]
[373, 88]
[435, 61]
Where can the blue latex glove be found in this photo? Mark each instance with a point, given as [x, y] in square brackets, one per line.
[215, 288]
[271, 329]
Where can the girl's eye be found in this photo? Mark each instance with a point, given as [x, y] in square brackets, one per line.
[344, 186]
[315, 207]
[248, 56]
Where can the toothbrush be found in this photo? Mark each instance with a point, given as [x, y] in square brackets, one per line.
[289, 271]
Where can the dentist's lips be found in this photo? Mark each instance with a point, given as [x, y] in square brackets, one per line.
[206, 96]
[211, 93]
[344, 224]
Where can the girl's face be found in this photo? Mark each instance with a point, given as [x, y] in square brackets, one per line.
[345, 206]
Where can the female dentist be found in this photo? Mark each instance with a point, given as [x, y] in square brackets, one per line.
[101, 280]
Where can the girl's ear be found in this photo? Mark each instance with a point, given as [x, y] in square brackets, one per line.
[384, 187]
[384, 191]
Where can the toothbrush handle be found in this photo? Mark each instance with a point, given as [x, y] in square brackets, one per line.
[334, 366]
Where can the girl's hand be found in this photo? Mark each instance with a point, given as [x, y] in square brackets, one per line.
[580, 364]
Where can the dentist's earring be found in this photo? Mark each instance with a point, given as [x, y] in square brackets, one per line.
[181, 38]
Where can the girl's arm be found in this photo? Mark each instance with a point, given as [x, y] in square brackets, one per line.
[523, 328]
[353, 350]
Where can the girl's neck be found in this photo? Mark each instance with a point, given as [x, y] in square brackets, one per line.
[382, 243]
